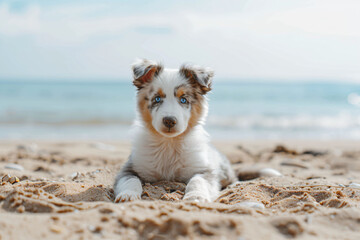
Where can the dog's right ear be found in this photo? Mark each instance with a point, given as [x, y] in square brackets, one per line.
[199, 77]
[144, 72]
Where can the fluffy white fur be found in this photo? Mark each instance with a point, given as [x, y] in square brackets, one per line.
[165, 156]
[168, 81]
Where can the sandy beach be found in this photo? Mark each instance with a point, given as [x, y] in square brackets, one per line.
[63, 190]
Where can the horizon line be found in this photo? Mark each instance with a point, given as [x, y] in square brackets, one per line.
[218, 80]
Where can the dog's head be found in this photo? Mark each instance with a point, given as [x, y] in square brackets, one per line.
[171, 101]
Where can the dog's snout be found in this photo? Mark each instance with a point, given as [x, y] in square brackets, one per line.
[169, 122]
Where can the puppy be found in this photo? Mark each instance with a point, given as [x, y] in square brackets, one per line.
[170, 142]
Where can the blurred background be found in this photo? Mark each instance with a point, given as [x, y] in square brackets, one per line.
[284, 69]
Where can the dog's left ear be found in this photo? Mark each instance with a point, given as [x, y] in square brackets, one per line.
[144, 72]
[199, 77]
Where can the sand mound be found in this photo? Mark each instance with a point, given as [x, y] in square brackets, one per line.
[293, 199]
[59, 190]
[42, 197]
[167, 191]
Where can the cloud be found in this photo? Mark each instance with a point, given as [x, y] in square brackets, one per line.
[12, 24]
[76, 24]
[240, 39]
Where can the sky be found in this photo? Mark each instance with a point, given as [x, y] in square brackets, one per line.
[241, 40]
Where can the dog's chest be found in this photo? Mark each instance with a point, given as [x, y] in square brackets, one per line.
[166, 163]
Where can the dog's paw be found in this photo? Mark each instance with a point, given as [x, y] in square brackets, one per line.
[127, 196]
[196, 197]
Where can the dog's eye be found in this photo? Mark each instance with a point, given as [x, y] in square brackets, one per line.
[183, 100]
[157, 99]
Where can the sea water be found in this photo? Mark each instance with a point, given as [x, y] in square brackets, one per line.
[105, 110]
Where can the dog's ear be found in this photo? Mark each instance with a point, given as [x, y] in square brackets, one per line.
[199, 77]
[144, 72]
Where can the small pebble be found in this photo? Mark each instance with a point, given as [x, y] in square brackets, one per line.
[56, 229]
[269, 172]
[94, 229]
[251, 204]
[91, 228]
[14, 166]
[341, 185]
[14, 180]
[6, 178]
[21, 209]
[354, 185]
[74, 175]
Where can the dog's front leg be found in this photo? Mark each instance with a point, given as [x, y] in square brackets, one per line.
[202, 187]
[127, 185]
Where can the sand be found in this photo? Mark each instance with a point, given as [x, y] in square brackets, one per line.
[63, 190]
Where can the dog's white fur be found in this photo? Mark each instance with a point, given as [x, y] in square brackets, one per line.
[168, 81]
[183, 154]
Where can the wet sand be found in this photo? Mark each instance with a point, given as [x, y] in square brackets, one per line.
[63, 190]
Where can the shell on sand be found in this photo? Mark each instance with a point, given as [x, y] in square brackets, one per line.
[14, 166]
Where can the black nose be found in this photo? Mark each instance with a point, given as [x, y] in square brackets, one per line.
[169, 122]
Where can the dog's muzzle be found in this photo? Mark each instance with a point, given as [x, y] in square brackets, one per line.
[169, 122]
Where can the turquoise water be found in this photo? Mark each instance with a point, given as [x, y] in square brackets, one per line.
[238, 110]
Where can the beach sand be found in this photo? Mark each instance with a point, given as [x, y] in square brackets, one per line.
[63, 190]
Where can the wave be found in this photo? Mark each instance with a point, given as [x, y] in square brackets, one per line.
[67, 122]
[254, 122]
[297, 122]
[354, 99]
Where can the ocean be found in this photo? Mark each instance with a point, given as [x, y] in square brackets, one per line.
[238, 110]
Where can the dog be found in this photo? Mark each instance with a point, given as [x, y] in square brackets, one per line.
[170, 142]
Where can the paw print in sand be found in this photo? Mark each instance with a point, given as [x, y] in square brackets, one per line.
[7, 178]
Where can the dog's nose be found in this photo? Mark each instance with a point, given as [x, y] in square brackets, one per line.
[169, 122]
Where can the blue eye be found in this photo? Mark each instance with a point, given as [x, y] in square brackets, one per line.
[157, 99]
[183, 100]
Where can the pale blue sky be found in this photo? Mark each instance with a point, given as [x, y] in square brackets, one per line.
[256, 39]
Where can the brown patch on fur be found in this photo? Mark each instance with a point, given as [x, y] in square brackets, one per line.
[180, 92]
[143, 106]
[150, 72]
[191, 75]
[196, 100]
[196, 113]
[161, 93]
